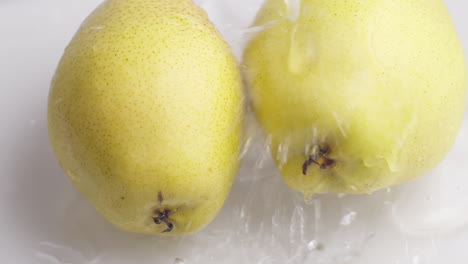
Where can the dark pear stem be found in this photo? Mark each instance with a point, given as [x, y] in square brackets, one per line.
[315, 158]
[163, 217]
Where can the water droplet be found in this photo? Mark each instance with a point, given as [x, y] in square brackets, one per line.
[314, 245]
[242, 212]
[348, 218]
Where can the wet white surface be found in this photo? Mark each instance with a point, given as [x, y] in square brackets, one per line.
[43, 219]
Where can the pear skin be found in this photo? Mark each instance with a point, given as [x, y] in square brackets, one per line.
[356, 95]
[145, 115]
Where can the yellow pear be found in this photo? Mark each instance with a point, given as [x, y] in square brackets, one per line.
[145, 114]
[355, 95]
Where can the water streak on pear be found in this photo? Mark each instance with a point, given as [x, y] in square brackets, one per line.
[362, 94]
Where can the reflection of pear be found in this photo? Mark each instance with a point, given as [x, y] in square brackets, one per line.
[144, 115]
[356, 95]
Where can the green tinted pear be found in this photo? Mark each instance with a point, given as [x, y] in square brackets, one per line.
[145, 114]
[354, 95]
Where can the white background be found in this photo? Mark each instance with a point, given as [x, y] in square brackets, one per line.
[43, 219]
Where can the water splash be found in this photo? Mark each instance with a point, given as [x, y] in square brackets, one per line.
[293, 9]
[302, 50]
[265, 222]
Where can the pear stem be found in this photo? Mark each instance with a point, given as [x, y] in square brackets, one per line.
[321, 154]
[163, 217]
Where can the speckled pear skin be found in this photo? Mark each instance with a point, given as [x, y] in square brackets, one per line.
[355, 96]
[145, 113]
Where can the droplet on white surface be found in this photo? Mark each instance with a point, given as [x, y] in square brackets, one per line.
[348, 218]
[314, 245]
[33, 122]
[242, 212]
